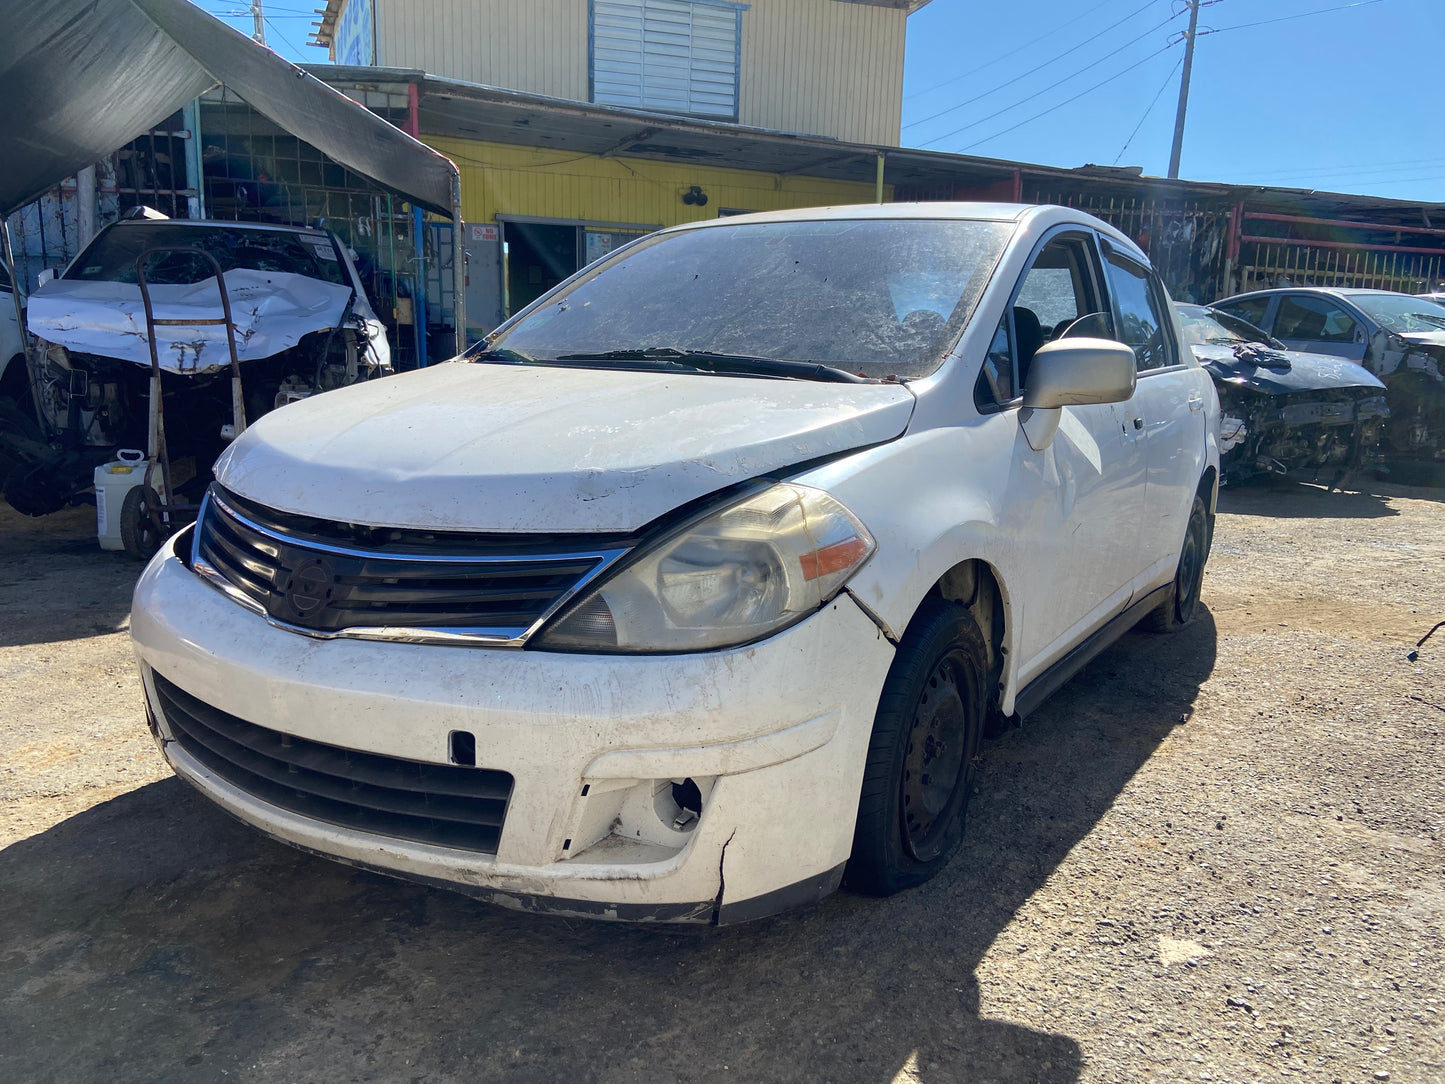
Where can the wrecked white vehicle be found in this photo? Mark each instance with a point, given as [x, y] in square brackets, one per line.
[301, 321]
[693, 591]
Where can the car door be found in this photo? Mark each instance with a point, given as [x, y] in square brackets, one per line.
[1169, 411]
[1076, 506]
[1320, 325]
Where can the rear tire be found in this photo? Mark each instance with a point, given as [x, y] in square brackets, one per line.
[919, 771]
[1182, 603]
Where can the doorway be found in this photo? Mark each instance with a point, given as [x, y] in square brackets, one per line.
[539, 256]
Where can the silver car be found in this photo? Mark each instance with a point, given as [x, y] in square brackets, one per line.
[1399, 338]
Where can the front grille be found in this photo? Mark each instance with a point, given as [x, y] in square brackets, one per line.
[451, 806]
[392, 580]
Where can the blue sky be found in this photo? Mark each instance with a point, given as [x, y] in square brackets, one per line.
[1346, 100]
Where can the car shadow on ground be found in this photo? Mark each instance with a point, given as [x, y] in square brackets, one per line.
[56, 583]
[153, 938]
[1302, 500]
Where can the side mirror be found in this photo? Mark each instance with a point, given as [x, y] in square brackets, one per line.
[45, 276]
[1073, 372]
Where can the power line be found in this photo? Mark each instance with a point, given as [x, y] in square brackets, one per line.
[1011, 52]
[1155, 101]
[1299, 15]
[1068, 101]
[1052, 86]
[1024, 75]
[277, 31]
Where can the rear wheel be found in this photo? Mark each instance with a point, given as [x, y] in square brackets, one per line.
[920, 760]
[1179, 608]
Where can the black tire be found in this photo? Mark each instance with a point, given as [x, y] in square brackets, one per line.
[18, 430]
[139, 535]
[930, 716]
[1182, 603]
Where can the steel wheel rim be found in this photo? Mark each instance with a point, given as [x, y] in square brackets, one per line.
[934, 759]
[1186, 586]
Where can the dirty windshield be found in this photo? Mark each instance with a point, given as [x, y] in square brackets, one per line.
[872, 297]
[1401, 312]
[1204, 326]
[112, 257]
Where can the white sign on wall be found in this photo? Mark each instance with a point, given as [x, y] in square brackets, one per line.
[354, 41]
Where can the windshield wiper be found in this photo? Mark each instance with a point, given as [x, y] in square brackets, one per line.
[709, 362]
[1429, 317]
[501, 353]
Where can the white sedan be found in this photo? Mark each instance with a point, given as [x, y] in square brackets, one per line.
[690, 593]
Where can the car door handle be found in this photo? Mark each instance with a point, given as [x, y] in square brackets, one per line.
[1138, 423]
[1196, 403]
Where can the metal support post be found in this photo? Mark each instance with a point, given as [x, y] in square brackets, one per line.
[418, 292]
[459, 265]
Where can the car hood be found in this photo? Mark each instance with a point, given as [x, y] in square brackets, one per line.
[1305, 372]
[491, 447]
[271, 311]
[1424, 338]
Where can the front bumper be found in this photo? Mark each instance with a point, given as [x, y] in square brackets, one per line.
[774, 735]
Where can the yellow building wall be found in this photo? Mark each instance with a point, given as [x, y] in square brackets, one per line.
[817, 66]
[544, 183]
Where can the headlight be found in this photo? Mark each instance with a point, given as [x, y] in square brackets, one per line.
[738, 575]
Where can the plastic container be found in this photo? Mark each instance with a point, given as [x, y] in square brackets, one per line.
[113, 481]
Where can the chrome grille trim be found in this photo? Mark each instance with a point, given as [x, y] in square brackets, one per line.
[513, 636]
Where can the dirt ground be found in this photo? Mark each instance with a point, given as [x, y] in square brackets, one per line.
[1214, 856]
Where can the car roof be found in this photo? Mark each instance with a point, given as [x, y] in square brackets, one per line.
[963, 211]
[1326, 291]
[153, 223]
[953, 210]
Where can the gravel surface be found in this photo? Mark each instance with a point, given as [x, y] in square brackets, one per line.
[1212, 856]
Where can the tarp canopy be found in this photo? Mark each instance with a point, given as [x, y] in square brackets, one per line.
[79, 78]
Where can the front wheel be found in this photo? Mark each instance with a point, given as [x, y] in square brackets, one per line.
[140, 534]
[920, 760]
[1182, 602]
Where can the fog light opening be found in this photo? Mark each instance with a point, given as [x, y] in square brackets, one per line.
[688, 799]
[463, 748]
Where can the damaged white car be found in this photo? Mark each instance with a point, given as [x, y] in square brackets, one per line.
[301, 320]
[692, 592]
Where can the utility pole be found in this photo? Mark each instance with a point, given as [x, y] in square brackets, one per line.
[1184, 87]
[260, 20]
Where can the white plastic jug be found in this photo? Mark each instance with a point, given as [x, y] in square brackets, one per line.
[113, 481]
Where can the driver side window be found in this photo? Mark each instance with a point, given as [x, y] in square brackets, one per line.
[1056, 290]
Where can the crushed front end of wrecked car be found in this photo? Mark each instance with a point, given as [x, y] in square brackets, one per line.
[295, 334]
[1286, 412]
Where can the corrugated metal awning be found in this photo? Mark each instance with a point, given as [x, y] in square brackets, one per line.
[79, 80]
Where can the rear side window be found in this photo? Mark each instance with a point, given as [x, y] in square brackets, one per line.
[1140, 306]
[1251, 310]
